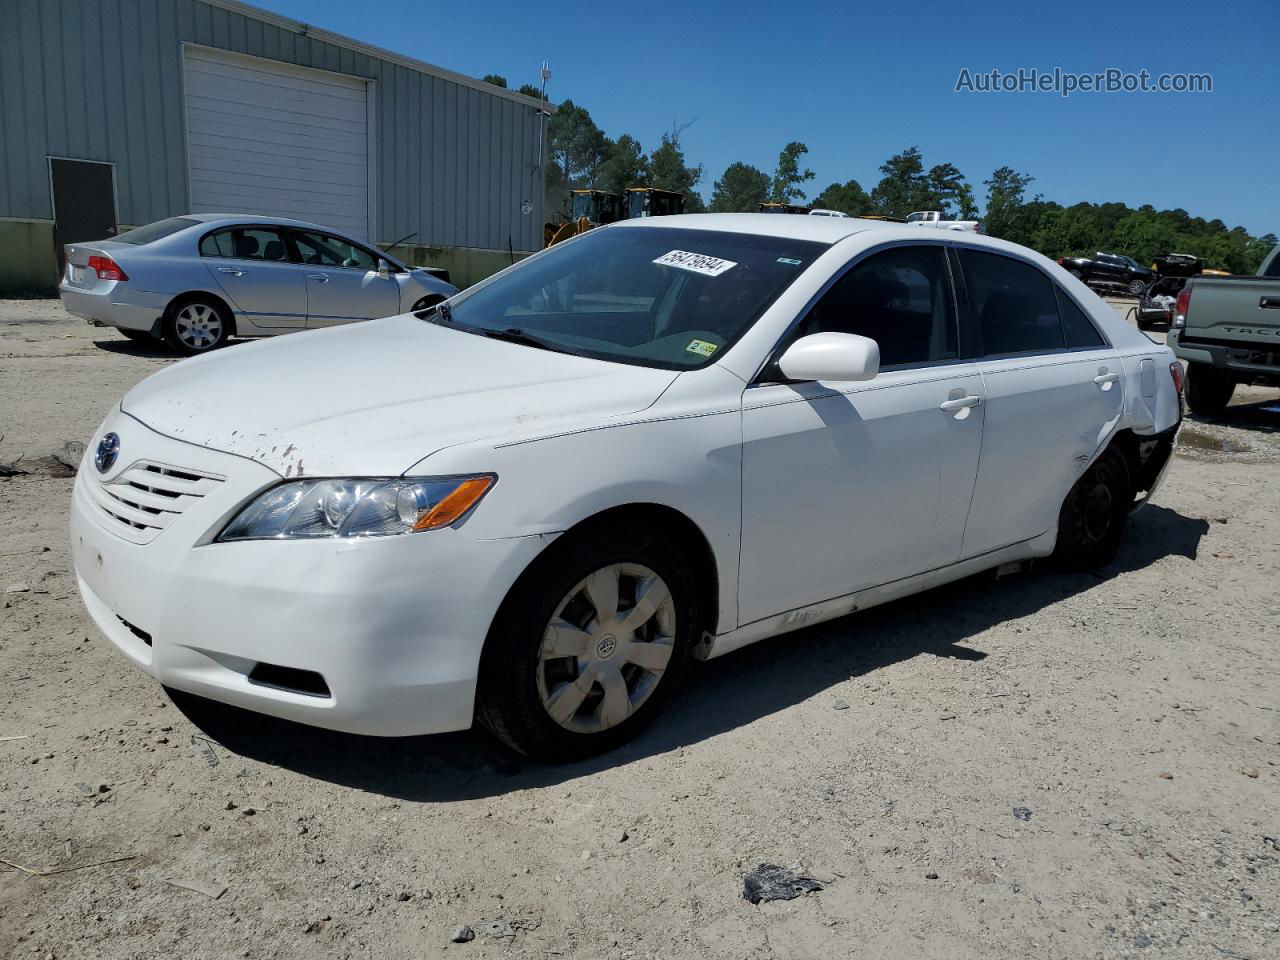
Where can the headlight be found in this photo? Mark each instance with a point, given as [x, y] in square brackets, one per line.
[357, 507]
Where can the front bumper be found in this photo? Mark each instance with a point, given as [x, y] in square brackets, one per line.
[115, 305]
[393, 625]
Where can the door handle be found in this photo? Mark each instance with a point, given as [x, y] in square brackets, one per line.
[960, 403]
[234, 271]
[1105, 380]
[321, 277]
[1269, 303]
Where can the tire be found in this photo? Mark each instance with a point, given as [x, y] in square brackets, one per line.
[1094, 514]
[139, 336]
[196, 325]
[1209, 390]
[1136, 287]
[533, 700]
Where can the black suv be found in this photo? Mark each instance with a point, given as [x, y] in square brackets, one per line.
[1109, 269]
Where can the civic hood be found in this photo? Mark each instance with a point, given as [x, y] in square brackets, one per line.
[374, 398]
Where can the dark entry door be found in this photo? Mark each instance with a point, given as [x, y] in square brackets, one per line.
[84, 202]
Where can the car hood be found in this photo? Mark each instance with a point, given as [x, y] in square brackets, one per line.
[372, 399]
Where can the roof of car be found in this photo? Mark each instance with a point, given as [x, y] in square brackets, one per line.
[789, 226]
[254, 218]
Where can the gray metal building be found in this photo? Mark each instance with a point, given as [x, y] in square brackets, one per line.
[130, 111]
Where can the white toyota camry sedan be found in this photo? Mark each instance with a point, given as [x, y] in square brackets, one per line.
[664, 439]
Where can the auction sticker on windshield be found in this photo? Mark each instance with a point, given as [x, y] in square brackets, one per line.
[695, 262]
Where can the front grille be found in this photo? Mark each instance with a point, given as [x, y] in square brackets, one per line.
[147, 497]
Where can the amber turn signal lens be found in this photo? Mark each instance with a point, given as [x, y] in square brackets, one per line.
[448, 510]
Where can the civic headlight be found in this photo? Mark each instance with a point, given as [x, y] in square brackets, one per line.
[357, 507]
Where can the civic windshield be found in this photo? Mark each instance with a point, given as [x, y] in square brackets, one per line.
[657, 297]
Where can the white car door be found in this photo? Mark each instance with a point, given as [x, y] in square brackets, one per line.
[1055, 391]
[343, 284]
[852, 485]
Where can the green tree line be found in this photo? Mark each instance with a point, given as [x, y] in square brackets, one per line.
[582, 156]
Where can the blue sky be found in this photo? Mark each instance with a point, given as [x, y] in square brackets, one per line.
[858, 83]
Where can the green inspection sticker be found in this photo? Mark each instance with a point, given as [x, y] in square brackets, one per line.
[789, 262]
[701, 347]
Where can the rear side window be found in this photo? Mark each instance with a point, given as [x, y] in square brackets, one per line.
[1078, 330]
[245, 243]
[900, 298]
[156, 231]
[1014, 304]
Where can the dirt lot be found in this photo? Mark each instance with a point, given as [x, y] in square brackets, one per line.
[1042, 766]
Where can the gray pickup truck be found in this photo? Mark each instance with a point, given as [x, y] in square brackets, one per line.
[1227, 329]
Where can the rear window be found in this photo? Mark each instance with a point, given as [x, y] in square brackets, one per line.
[156, 231]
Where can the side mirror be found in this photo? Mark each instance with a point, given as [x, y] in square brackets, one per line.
[384, 269]
[831, 356]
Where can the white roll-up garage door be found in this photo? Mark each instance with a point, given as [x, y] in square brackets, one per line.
[270, 139]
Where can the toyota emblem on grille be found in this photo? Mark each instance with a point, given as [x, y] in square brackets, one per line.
[108, 451]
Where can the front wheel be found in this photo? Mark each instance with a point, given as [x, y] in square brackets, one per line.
[1209, 389]
[589, 645]
[1136, 287]
[1093, 516]
[196, 326]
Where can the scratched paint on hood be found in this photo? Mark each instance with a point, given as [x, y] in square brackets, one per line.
[375, 398]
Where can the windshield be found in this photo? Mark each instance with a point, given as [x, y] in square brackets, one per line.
[657, 297]
[156, 231]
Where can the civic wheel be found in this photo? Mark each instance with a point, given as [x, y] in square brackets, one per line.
[197, 326]
[1094, 514]
[589, 646]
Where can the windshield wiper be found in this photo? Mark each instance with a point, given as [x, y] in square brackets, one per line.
[516, 335]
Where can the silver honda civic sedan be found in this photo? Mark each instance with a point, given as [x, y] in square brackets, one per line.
[194, 281]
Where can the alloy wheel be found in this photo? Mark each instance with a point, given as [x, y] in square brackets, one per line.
[606, 648]
[198, 326]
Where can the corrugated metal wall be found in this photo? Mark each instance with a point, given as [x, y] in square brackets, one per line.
[102, 80]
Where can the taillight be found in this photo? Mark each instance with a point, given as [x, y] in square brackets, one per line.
[1175, 371]
[1061, 261]
[107, 269]
[1180, 308]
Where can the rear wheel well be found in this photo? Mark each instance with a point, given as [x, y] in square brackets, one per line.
[1144, 456]
[184, 298]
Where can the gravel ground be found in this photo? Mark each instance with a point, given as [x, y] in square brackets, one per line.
[1042, 766]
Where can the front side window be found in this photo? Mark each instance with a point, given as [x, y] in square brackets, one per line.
[900, 298]
[326, 250]
[653, 296]
[1014, 304]
[245, 243]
